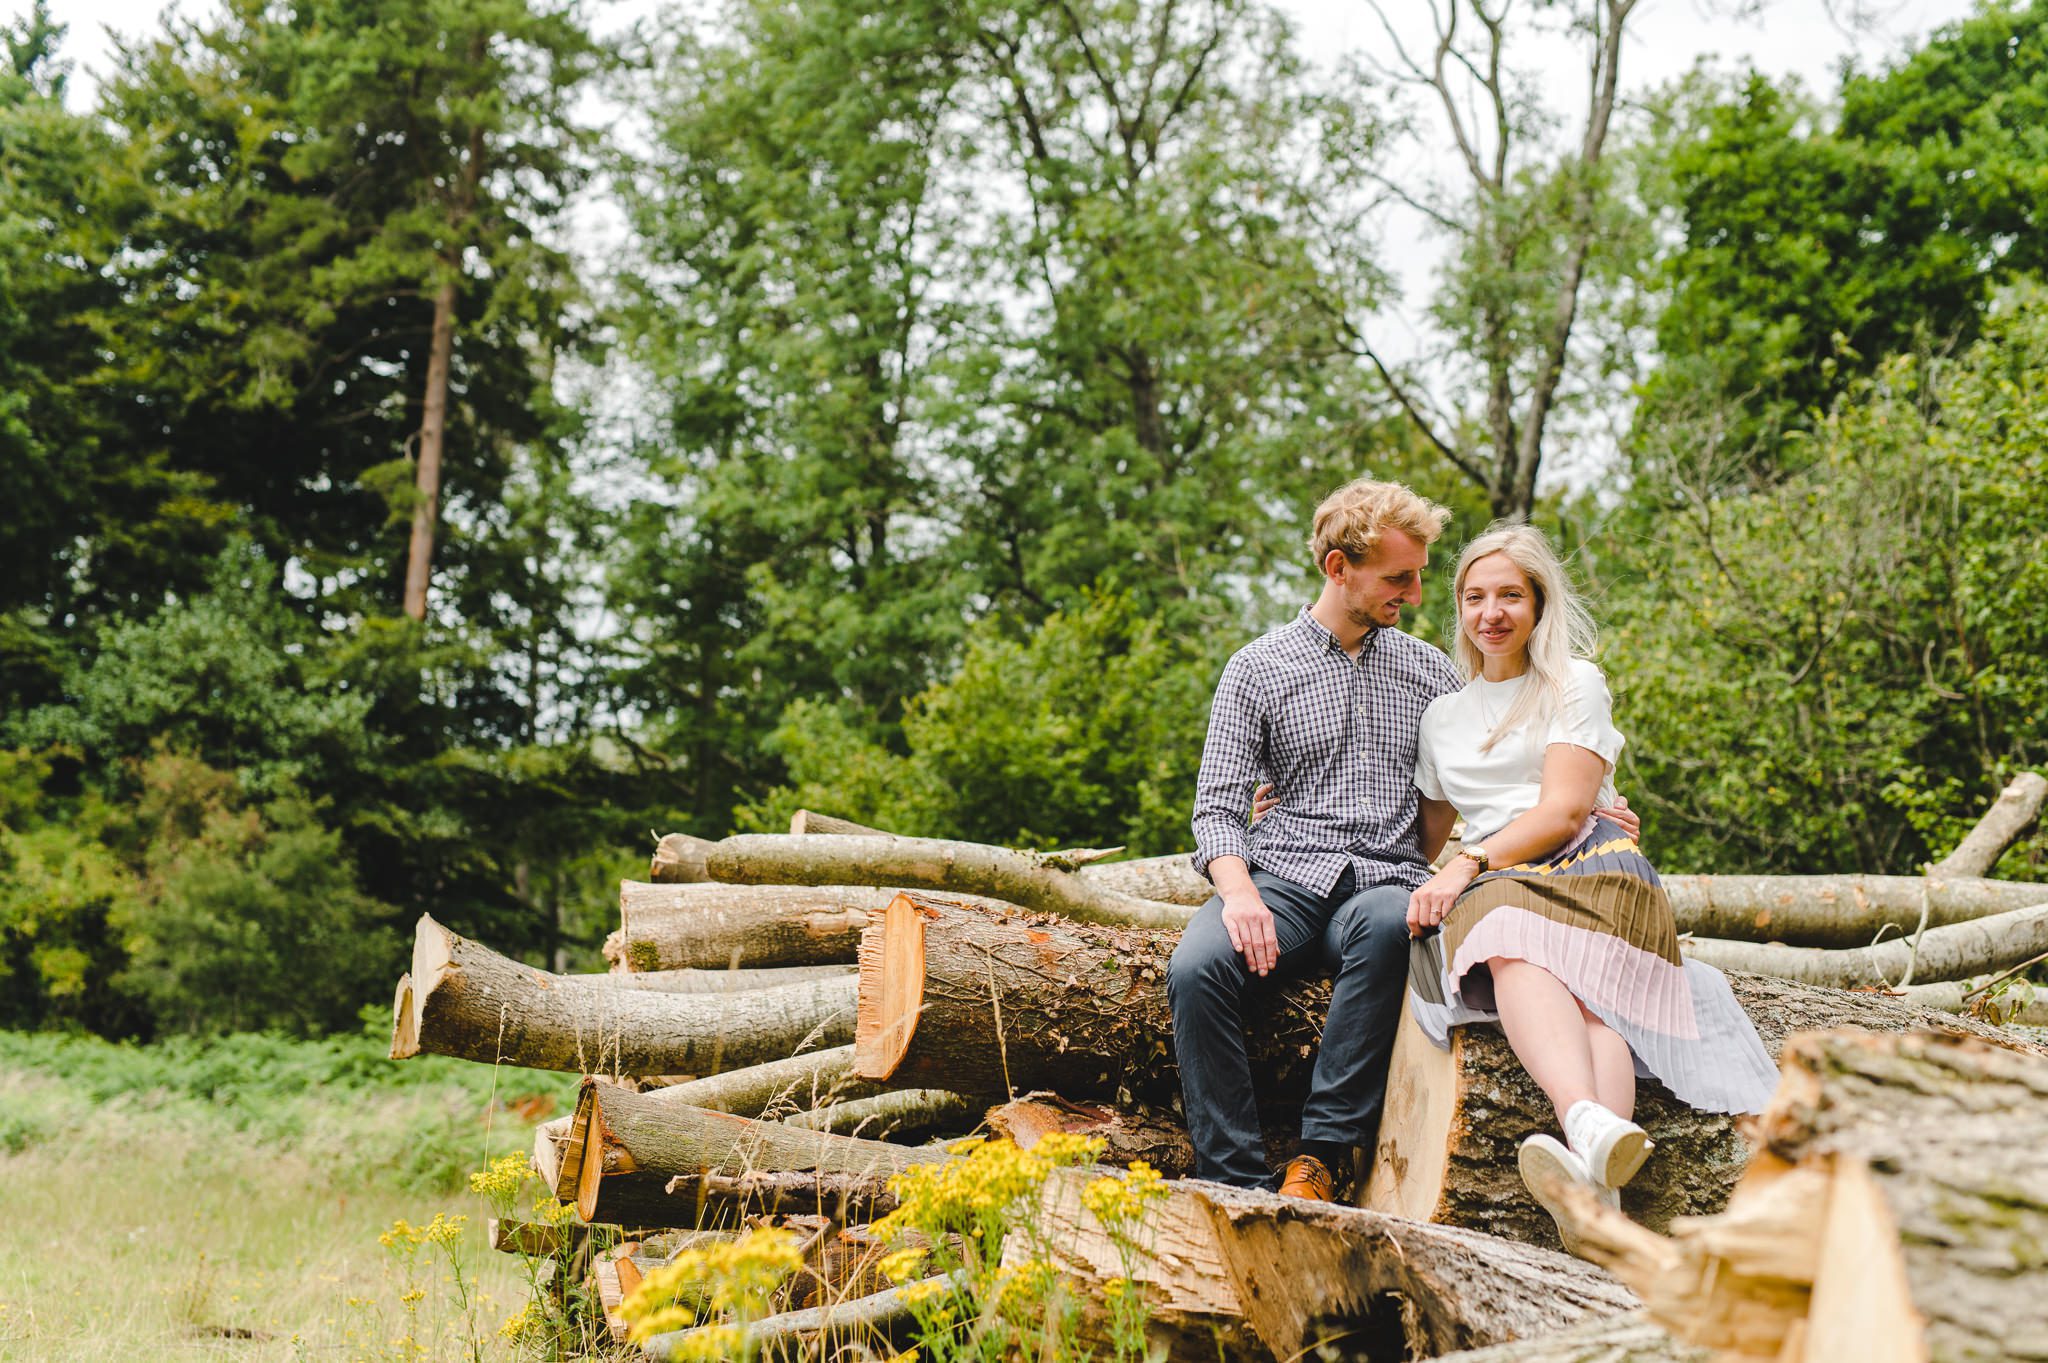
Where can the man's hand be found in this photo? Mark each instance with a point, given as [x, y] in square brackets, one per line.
[1250, 925]
[1620, 813]
[1428, 905]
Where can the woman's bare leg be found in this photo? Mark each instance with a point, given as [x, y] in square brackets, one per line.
[1614, 1069]
[1547, 1030]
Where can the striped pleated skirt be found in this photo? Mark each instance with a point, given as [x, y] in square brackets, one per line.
[1596, 916]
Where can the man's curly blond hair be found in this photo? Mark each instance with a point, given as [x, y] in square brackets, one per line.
[1355, 516]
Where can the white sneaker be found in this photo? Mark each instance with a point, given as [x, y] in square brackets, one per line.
[1545, 1163]
[1611, 1146]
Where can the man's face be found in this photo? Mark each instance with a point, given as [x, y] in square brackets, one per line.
[1375, 591]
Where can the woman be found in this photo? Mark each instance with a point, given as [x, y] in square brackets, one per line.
[1551, 919]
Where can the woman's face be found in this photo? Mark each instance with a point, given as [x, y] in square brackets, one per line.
[1498, 607]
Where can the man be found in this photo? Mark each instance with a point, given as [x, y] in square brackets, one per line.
[1327, 707]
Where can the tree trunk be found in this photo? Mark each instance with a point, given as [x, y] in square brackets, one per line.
[990, 1005]
[426, 509]
[465, 1000]
[1453, 1120]
[1261, 1275]
[894, 1113]
[809, 821]
[1045, 881]
[678, 860]
[2005, 823]
[711, 926]
[1955, 952]
[625, 1147]
[1834, 911]
[1893, 1215]
[699, 981]
[2028, 1005]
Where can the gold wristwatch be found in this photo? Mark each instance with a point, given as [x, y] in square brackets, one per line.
[1477, 851]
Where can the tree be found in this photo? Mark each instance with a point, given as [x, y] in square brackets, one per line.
[1817, 243]
[1828, 672]
[1526, 237]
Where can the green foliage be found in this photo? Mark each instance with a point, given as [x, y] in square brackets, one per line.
[1811, 253]
[1086, 731]
[1838, 672]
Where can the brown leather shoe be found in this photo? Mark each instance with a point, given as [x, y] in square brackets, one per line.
[1308, 1177]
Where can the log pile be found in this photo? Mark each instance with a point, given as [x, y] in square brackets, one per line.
[790, 1020]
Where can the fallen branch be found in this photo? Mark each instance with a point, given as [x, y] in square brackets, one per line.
[465, 1000]
[888, 1114]
[875, 1325]
[1955, 952]
[2014, 812]
[1834, 911]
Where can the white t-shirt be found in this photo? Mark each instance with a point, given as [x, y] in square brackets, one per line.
[1491, 789]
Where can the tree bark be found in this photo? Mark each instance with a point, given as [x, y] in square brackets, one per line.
[1891, 1215]
[426, 510]
[873, 1326]
[888, 1114]
[1833, 911]
[1630, 1338]
[711, 926]
[700, 981]
[1955, 952]
[463, 999]
[2014, 812]
[1453, 1120]
[626, 1147]
[1044, 881]
[955, 997]
[1263, 1275]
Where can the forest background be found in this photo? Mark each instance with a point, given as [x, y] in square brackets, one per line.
[949, 407]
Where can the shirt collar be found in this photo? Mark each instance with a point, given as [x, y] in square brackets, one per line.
[1319, 637]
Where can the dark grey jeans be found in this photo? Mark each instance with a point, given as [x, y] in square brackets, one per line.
[1362, 938]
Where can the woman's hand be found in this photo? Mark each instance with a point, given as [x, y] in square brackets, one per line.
[1623, 815]
[1428, 905]
[1263, 800]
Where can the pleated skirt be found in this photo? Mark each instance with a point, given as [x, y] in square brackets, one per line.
[1596, 916]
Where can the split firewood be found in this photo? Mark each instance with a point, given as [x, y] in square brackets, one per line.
[509, 1235]
[1259, 1275]
[625, 1147]
[897, 1113]
[1453, 1119]
[877, 1325]
[1044, 881]
[1127, 1136]
[1891, 1215]
[1956, 952]
[954, 997]
[548, 1139]
[465, 1000]
[2016, 810]
[709, 927]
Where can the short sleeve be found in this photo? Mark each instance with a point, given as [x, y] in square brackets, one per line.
[1426, 779]
[1585, 717]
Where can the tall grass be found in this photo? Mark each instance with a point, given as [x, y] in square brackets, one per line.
[201, 1200]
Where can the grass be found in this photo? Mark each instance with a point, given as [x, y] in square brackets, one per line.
[224, 1201]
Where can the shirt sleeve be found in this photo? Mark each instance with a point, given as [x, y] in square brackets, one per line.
[1426, 779]
[1232, 757]
[1585, 717]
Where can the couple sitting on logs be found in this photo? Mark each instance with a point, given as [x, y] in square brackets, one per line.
[1549, 919]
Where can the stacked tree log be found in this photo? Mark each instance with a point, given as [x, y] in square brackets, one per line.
[785, 1014]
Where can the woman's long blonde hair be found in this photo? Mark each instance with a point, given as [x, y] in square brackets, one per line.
[1564, 630]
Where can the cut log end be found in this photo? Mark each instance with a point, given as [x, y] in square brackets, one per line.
[405, 1022]
[891, 989]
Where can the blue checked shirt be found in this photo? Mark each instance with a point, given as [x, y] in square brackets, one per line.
[1336, 736]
